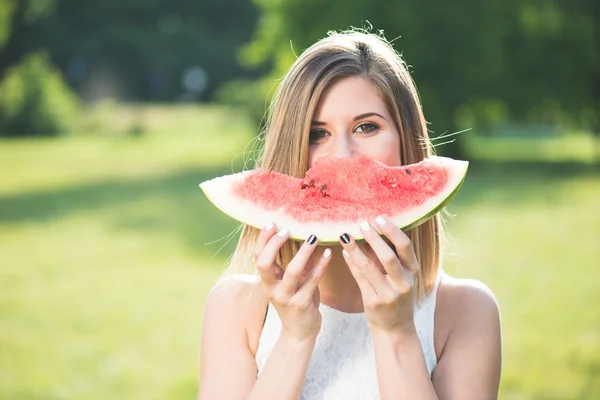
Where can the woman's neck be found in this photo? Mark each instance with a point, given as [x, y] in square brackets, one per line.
[338, 288]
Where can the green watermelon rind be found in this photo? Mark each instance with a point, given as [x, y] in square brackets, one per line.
[216, 191]
[429, 215]
[436, 209]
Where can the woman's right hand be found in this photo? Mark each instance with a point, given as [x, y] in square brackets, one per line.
[294, 292]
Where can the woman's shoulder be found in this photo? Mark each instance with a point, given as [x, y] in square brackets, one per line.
[236, 290]
[462, 294]
[237, 281]
[240, 298]
[463, 306]
[468, 337]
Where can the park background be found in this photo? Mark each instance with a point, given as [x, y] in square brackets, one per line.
[112, 112]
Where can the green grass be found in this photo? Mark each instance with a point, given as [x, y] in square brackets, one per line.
[577, 147]
[531, 233]
[104, 266]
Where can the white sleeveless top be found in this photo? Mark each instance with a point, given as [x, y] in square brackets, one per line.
[342, 365]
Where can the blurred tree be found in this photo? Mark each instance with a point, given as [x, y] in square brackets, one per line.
[475, 63]
[35, 99]
[132, 49]
[20, 24]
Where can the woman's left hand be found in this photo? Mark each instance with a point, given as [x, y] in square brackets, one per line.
[388, 298]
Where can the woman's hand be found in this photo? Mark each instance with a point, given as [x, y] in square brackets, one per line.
[294, 292]
[388, 298]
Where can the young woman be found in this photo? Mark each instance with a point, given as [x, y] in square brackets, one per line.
[350, 321]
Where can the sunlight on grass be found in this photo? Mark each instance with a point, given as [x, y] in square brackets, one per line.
[537, 248]
[104, 262]
[90, 310]
[211, 138]
[581, 148]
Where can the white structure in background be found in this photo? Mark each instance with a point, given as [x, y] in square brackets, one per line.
[194, 80]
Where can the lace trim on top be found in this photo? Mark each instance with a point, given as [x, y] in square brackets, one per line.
[342, 365]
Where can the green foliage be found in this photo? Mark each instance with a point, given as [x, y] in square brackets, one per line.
[144, 47]
[249, 95]
[35, 99]
[475, 63]
[6, 10]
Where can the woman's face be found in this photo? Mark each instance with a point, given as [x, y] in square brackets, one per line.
[352, 119]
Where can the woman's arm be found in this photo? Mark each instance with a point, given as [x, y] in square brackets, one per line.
[401, 368]
[227, 358]
[470, 364]
[469, 367]
[228, 369]
[285, 370]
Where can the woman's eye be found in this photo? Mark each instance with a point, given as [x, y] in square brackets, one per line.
[367, 128]
[317, 134]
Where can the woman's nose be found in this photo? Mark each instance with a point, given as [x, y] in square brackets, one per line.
[343, 147]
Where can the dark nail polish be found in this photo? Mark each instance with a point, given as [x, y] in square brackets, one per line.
[311, 239]
[345, 238]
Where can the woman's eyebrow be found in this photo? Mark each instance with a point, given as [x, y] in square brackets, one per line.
[361, 116]
[369, 114]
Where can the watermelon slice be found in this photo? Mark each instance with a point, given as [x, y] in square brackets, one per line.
[336, 194]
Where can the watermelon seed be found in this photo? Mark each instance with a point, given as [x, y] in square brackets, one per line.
[312, 183]
[323, 187]
[303, 186]
[407, 171]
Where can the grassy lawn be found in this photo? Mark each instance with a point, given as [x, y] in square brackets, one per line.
[104, 262]
[531, 234]
[577, 147]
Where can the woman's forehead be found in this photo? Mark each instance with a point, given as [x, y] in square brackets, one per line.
[350, 97]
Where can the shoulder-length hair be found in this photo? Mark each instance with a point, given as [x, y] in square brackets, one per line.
[286, 135]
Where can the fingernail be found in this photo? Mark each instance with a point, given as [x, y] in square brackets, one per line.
[365, 226]
[345, 238]
[327, 253]
[269, 226]
[282, 232]
[311, 239]
[380, 220]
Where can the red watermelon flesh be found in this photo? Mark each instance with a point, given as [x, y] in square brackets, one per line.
[337, 194]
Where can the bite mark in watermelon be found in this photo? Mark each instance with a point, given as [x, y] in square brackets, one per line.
[337, 194]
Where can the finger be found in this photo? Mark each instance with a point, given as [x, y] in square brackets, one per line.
[366, 288]
[315, 275]
[363, 263]
[263, 238]
[382, 250]
[265, 263]
[293, 271]
[404, 248]
[267, 275]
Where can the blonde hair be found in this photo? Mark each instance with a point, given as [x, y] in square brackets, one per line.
[286, 134]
